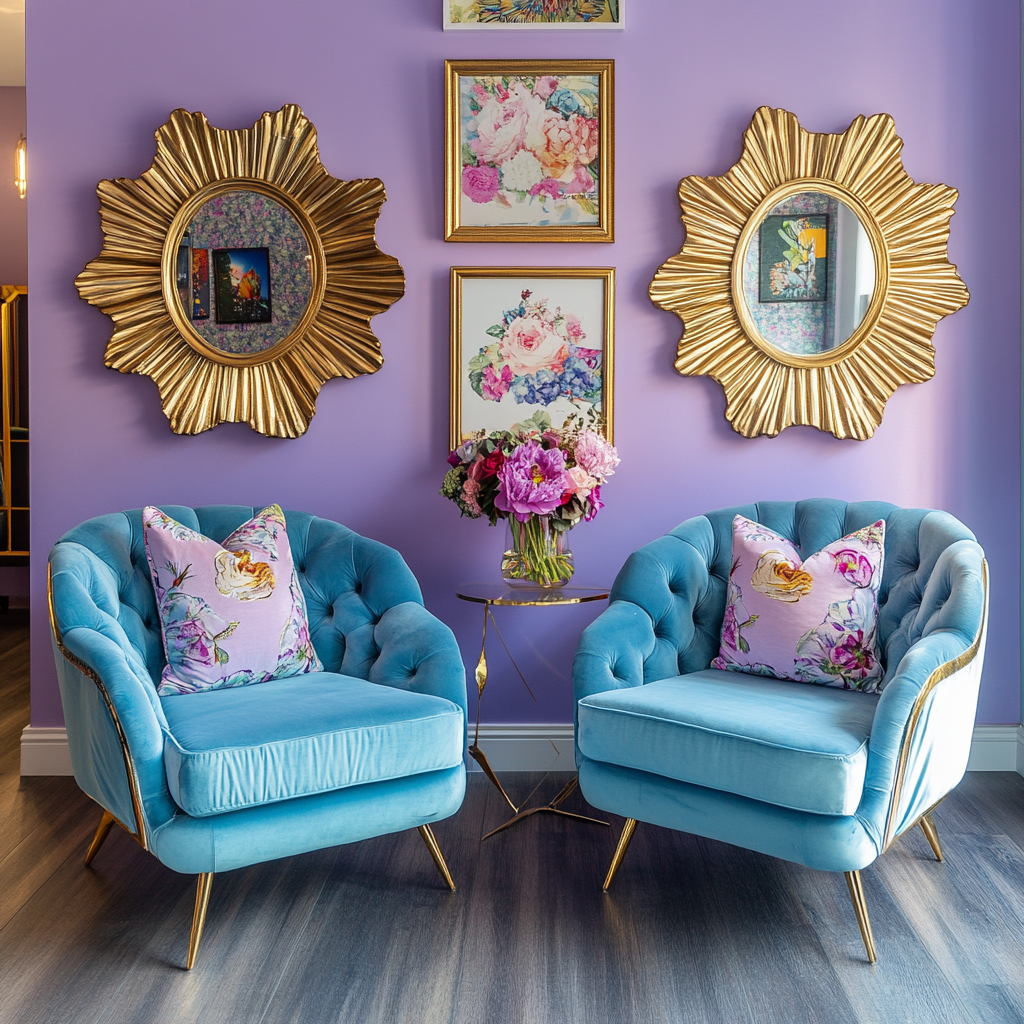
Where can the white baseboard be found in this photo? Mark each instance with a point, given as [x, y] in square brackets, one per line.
[526, 748]
[45, 751]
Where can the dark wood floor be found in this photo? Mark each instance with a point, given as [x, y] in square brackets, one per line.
[693, 931]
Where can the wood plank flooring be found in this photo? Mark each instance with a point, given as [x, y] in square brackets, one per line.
[693, 930]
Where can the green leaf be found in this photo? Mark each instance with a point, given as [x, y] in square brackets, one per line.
[468, 156]
[481, 360]
[744, 646]
[586, 205]
[222, 656]
[476, 381]
[497, 331]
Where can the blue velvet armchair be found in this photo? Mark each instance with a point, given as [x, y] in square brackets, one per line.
[825, 777]
[221, 779]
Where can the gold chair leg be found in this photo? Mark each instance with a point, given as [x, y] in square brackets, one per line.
[203, 884]
[932, 835]
[860, 907]
[435, 852]
[620, 851]
[102, 831]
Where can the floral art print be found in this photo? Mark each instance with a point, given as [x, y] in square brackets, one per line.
[529, 149]
[528, 345]
[533, 13]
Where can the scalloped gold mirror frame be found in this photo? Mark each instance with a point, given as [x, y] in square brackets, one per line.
[133, 279]
[842, 390]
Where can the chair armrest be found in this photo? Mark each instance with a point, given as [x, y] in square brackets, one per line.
[921, 734]
[612, 651]
[418, 652]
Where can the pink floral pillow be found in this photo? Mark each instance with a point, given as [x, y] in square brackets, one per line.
[813, 621]
[230, 614]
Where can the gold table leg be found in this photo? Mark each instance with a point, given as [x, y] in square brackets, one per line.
[481, 758]
[932, 835]
[860, 908]
[203, 884]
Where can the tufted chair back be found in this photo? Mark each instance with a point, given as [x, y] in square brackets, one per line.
[680, 579]
[348, 581]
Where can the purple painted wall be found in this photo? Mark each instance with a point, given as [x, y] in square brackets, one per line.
[689, 74]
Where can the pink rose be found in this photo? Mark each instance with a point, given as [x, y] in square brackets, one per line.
[582, 482]
[501, 126]
[549, 187]
[495, 384]
[530, 345]
[581, 182]
[550, 140]
[596, 455]
[480, 183]
[573, 327]
[584, 137]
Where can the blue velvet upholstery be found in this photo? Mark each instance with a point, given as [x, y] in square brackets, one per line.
[794, 770]
[239, 776]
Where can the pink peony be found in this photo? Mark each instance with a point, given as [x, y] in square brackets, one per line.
[549, 187]
[545, 86]
[584, 134]
[531, 481]
[581, 182]
[596, 455]
[573, 327]
[480, 183]
[494, 385]
[854, 566]
[530, 345]
[501, 126]
[550, 140]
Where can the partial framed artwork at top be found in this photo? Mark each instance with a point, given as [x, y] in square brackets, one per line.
[529, 151]
[531, 347]
[534, 14]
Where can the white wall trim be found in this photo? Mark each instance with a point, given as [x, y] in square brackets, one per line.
[522, 748]
[45, 751]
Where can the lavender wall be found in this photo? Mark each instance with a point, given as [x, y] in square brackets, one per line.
[103, 77]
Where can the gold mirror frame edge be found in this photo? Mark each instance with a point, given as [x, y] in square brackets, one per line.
[273, 391]
[842, 392]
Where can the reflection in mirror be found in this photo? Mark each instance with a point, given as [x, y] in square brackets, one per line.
[808, 274]
[244, 272]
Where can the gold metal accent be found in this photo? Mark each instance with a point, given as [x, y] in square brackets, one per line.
[435, 852]
[860, 907]
[944, 671]
[844, 390]
[9, 296]
[107, 821]
[203, 885]
[603, 230]
[132, 280]
[552, 807]
[139, 832]
[620, 851]
[931, 833]
[539, 597]
[606, 274]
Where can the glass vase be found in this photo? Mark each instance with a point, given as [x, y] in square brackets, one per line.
[536, 553]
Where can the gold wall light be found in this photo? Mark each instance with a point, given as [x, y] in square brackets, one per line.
[21, 167]
[239, 274]
[812, 276]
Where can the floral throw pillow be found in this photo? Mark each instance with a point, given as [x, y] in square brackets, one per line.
[813, 621]
[230, 614]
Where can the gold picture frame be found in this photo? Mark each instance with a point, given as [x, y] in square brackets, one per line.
[545, 161]
[140, 281]
[841, 389]
[566, 310]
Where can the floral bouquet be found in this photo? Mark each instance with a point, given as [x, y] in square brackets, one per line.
[532, 140]
[543, 481]
[537, 357]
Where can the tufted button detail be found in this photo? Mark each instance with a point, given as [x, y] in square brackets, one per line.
[358, 588]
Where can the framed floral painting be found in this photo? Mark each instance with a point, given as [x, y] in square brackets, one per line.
[533, 14]
[530, 151]
[532, 346]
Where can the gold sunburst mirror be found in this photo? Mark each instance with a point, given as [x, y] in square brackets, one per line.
[812, 276]
[239, 274]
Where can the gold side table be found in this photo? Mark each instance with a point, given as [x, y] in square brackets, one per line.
[501, 594]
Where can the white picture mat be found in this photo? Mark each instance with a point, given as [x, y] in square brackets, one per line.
[484, 300]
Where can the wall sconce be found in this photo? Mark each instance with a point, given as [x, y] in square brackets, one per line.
[20, 166]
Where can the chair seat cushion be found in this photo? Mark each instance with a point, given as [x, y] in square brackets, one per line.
[784, 743]
[245, 746]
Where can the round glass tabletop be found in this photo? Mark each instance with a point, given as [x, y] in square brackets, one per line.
[501, 593]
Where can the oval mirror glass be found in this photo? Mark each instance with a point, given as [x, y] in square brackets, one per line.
[808, 274]
[244, 272]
